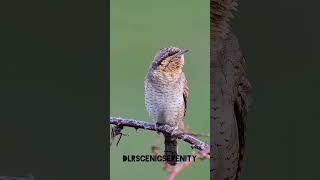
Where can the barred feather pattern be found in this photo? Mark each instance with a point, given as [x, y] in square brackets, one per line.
[220, 16]
[230, 101]
[242, 101]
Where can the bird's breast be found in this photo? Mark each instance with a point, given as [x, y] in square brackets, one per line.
[164, 102]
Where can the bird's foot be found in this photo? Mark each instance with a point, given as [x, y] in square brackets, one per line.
[175, 131]
[157, 125]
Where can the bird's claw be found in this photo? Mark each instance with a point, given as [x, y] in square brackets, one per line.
[175, 131]
[157, 128]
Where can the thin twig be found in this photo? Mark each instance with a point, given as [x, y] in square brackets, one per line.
[155, 151]
[198, 134]
[180, 166]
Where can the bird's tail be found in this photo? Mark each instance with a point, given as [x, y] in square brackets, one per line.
[170, 149]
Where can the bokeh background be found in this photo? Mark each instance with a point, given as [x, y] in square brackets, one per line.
[280, 40]
[138, 30]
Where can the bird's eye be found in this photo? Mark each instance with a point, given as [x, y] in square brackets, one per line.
[171, 53]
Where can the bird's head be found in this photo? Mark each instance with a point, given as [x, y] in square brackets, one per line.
[169, 60]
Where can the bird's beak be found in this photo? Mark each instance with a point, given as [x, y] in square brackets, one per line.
[182, 52]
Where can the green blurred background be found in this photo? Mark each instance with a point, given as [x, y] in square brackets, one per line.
[138, 30]
[280, 40]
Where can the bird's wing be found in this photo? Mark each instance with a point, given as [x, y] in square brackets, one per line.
[185, 93]
[241, 108]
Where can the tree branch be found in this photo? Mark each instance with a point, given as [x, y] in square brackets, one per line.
[166, 129]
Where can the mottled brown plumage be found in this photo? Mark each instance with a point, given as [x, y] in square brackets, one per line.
[230, 94]
[220, 15]
[166, 93]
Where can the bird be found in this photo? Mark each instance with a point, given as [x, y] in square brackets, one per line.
[230, 94]
[166, 91]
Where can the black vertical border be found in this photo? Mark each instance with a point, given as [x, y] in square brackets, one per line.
[54, 94]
